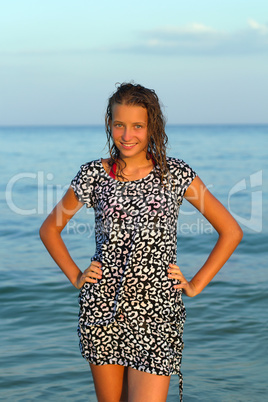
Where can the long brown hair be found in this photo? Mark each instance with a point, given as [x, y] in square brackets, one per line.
[137, 95]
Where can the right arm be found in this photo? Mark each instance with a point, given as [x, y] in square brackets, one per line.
[50, 233]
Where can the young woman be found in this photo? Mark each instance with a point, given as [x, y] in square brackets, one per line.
[131, 310]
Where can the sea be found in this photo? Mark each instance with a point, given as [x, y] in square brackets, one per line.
[225, 357]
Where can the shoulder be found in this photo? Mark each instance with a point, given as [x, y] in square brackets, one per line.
[90, 168]
[91, 165]
[88, 172]
[181, 176]
[86, 180]
[176, 166]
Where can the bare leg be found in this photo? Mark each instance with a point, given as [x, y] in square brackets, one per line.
[144, 387]
[110, 381]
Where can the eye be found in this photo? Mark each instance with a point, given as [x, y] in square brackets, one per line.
[138, 126]
[118, 125]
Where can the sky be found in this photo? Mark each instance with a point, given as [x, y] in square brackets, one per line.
[60, 60]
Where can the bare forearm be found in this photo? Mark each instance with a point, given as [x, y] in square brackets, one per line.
[59, 252]
[223, 249]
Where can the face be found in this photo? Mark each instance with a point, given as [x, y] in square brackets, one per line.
[129, 130]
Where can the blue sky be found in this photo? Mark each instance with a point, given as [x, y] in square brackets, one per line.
[60, 59]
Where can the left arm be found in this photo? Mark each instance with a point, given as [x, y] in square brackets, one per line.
[230, 235]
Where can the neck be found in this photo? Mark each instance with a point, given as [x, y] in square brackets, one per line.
[140, 160]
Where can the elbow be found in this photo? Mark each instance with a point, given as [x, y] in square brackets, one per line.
[241, 234]
[42, 231]
[237, 235]
[48, 230]
[233, 234]
[238, 232]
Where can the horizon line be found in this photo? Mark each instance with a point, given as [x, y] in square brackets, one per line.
[80, 125]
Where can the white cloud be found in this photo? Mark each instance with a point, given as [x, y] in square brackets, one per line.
[198, 39]
[195, 39]
[261, 28]
[193, 28]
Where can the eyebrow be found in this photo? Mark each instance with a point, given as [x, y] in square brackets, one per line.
[135, 122]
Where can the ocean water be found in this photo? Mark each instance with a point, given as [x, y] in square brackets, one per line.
[226, 332]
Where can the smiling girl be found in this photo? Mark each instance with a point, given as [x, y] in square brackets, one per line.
[131, 311]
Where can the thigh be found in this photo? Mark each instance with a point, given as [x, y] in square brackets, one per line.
[144, 387]
[110, 381]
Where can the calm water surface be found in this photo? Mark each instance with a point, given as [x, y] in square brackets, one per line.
[225, 356]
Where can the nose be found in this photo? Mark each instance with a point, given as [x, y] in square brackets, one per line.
[126, 134]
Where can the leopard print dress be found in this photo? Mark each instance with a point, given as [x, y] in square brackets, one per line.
[133, 316]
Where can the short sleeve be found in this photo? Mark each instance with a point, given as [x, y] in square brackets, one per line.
[182, 176]
[187, 175]
[83, 185]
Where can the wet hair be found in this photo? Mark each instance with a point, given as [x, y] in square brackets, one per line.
[137, 95]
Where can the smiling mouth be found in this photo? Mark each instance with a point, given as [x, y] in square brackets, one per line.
[128, 145]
